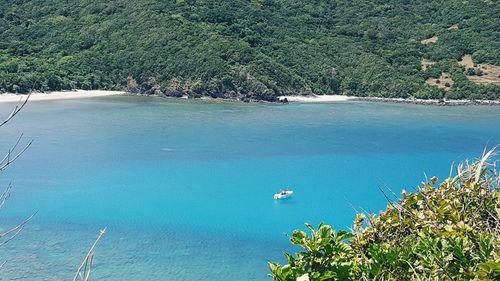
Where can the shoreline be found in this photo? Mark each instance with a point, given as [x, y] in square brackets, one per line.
[59, 95]
[432, 102]
[79, 94]
[315, 98]
[341, 98]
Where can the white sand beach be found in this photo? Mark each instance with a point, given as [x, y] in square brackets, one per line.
[76, 94]
[316, 98]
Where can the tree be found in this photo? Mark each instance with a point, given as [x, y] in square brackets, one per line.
[131, 85]
[289, 46]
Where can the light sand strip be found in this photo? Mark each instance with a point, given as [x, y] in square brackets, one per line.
[77, 94]
[316, 98]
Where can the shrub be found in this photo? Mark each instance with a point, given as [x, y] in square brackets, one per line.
[474, 71]
[446, 231]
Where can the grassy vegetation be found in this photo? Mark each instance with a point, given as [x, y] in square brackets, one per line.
[445, 231]
[247, 49]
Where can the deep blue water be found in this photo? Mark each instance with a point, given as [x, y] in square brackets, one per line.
[185, 188]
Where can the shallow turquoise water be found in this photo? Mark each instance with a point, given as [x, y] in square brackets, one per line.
[186, 188]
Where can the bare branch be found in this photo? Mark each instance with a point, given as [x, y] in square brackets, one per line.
[83, 272]
[389, 200]
[10, 157]
[386, 186]
[87, 268]
[351, 205]
[5, 195]
[7, 156]
[13, 232]
[16, 110]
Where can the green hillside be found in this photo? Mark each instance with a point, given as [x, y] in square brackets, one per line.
[256, 49]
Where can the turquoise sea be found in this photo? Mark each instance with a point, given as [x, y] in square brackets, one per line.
[186, 187]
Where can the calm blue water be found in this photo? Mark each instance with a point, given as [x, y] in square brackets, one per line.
[185, 188]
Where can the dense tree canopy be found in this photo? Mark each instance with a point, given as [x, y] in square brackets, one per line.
[247, 49]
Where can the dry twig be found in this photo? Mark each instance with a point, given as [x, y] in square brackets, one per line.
[8, 159]
[16, 110]
[13, 232]
[83, 272]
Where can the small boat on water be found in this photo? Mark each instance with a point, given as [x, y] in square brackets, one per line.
[284, 193]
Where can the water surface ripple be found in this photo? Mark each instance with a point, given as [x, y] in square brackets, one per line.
[186, 187]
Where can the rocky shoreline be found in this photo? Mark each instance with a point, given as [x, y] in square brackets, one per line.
[430, 102]
[338, 98]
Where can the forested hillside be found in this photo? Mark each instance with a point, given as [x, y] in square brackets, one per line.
[252, 49]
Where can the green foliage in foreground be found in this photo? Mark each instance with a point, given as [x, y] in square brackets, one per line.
[246, 49]
[446, 231]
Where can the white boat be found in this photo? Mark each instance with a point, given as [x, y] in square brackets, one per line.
[284, 193]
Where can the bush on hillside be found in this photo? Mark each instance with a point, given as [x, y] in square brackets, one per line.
[445, 231]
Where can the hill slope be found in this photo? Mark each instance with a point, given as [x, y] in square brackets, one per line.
[254, 49]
